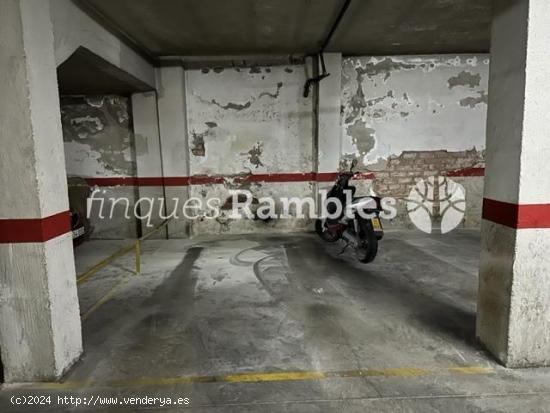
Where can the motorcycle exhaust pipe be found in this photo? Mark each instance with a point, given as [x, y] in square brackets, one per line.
[350, 238]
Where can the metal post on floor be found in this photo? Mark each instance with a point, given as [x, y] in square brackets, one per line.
[138, 257]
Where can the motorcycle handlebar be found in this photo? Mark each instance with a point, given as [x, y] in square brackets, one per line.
[346, 175]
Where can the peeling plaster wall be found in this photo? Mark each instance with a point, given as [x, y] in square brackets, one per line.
[243, 121]
[409, 117]
[99, 142]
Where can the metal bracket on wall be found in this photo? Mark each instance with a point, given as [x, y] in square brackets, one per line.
[316, 79]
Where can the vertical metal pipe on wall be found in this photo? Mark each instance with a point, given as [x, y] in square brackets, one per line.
[315, 129]
[161, 163]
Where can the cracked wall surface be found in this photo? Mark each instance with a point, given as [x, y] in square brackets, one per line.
[99, 142]
[245, 121]
[419, 103]
[403, 118]
[241, 118]
[410, 117]
[97, 133]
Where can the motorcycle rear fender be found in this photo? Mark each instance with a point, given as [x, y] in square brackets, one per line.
[366, 203]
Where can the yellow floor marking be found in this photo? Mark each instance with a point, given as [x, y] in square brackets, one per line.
[103, 263]
[103, 299]
[279, 376]
[398, 372]
[119, 253]
[471, 370]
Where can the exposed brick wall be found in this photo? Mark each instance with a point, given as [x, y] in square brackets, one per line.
[403, 171]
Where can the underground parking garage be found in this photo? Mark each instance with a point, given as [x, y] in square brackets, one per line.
[274, 205]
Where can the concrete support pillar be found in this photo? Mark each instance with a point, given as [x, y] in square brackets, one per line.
[329, 144]
[149, 163]
[40, 335]
[514, 287]
[330, 130]
[172, 112]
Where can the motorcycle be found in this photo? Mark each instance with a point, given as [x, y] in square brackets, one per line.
[78, 228]
[357, 223]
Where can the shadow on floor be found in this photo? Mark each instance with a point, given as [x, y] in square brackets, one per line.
[1, 370]
[132, 330]
[439, 296]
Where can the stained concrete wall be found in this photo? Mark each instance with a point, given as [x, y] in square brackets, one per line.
[513, 319]
[409, 117]
[172, 113]
[99, 143]
[404, 118]
[40, 332]
[249, 121]
[106, 151]
[148, 157]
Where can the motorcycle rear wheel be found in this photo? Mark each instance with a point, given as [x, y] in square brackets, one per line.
[368, 248]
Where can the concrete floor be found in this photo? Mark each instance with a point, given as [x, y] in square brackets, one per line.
[219, 320]
[91, 252]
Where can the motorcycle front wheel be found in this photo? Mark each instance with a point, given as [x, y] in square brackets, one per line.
[368, 243]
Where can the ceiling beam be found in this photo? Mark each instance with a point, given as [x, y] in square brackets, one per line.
[116, 31]
[240, 61]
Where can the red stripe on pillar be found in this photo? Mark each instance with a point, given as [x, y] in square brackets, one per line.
[517, 216]
[34, 229]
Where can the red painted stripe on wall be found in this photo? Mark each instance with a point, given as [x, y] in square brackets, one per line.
[516, 216]
[270, 177]
[220, 179]
[138, 181]
[34, 229]
[118, 181]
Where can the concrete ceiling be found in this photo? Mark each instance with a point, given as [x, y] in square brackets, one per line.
[246, 27]
[374, 27]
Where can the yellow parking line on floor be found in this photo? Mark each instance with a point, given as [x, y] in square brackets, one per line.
[134, 246]
[471, 370]
[103, 263]
[279, 376]
[103, 299]
[399, 372]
